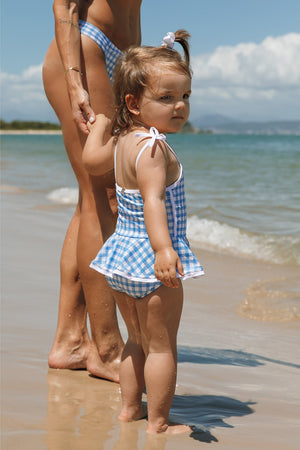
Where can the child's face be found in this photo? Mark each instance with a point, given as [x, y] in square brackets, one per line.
[164, 103]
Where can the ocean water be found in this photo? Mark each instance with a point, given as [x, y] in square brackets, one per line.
[243, 191]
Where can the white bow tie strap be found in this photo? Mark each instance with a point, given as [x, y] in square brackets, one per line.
[154, 135]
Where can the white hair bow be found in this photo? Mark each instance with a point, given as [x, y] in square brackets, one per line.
[168, 40]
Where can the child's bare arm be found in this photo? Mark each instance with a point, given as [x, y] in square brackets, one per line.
[97, 156]
[151, 177]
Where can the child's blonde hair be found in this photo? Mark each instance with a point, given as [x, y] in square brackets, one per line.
[132, 71]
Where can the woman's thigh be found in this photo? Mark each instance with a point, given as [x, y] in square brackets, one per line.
[96, 82]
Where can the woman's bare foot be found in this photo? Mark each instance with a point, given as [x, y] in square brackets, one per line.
[71, 354]
[106, 368]
[130, 415]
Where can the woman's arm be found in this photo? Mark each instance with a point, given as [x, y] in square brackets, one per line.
[67, 36]
[98, 152]
[151, 178]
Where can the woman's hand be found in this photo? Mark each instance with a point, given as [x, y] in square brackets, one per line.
[83, 114]
[167, 264]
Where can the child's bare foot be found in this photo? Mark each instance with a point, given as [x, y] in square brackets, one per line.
[177, 428]
[171, 428]
[130, 415]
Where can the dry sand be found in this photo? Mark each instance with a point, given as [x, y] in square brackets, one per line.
[238, 379]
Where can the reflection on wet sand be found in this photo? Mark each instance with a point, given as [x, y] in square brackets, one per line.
[82, 413]
[272, 300]
[131, 435]
[82, 410]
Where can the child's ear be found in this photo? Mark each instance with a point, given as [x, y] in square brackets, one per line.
[132, 104]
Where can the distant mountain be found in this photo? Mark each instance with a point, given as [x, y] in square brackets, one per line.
[224, 125]
[212, 120]
[277, 127]
[188, 128]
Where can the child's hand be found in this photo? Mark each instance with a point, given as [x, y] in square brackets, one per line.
[97, 155]
[166, 263]
[105, 122]
[89, 125]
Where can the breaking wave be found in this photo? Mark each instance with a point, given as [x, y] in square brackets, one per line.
[211, 234]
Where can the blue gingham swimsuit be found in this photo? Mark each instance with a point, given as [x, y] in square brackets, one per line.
[127, 258]
[111, 52]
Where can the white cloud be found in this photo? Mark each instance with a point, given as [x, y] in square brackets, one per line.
[271, 64]
[251, 81]
[23, 96]
[263, 76]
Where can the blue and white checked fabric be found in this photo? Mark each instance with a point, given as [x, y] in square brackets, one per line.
[128, 252]
[136, 289]
[110, 51]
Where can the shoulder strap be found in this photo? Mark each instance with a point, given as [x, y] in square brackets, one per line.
[154, 135]
[115, 161]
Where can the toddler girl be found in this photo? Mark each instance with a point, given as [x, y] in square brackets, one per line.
[146, 258]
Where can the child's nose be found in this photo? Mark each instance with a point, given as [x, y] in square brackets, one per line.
[179, 104]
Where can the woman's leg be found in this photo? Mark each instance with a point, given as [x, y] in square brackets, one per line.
[96, 219]
[97, 223]
[132, 362]
[71, 344]
[106, 341]
[159, 316]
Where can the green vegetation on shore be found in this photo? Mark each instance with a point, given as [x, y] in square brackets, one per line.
[20, 125]
[16, 125]
[188, 128]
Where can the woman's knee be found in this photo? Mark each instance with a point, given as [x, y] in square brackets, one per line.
[69, 269]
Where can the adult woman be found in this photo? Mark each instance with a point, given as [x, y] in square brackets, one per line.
[78, 86]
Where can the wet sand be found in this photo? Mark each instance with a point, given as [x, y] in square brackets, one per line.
[238, 378]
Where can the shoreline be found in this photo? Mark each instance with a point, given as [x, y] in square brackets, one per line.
[214, 133]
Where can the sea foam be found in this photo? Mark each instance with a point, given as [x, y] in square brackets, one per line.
[211, 234]
[64, 196]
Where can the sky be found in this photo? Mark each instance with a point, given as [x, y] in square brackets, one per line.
[245, 55]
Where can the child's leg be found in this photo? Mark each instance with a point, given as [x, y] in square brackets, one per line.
[132, 362]
[159, 315]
